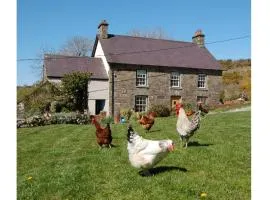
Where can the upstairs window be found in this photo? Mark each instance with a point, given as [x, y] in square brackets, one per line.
[201, 81]
[141, 78]
[140, 103]
[175, 79]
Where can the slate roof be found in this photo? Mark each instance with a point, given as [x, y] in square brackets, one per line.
[58, 65]
[156, 52]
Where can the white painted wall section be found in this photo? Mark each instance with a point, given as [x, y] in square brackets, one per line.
[98, 89]
[100, 54]
[54, 80]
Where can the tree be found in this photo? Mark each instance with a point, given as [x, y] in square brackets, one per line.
[38, 97]
[77, 46]
[157, 33]
[37, 65]
[75, 88]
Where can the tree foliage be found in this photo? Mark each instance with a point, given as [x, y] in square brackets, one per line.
[77, 46]
[40, 97]
[75, 88]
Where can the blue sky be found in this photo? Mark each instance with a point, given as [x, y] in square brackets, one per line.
[49, 24]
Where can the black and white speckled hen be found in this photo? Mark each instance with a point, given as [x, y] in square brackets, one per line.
[187, 127]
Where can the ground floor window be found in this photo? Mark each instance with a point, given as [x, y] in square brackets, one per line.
[201, 99]
[140, 103]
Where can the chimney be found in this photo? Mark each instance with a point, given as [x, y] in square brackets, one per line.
[198, 38]
[103, 29]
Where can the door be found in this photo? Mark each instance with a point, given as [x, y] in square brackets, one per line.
[99, 105]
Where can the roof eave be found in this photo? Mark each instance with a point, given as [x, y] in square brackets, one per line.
[94, 46]
[184, 67]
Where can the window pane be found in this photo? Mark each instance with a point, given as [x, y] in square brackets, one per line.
[141, 79]
[140, 103]
[201, 99]
[175, 79]
[201, 81]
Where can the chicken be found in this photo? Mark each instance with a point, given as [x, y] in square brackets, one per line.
[138, 115]
[185, 127]
[143, 153]
[177, 108]
[103, 135]
[147, 121]
[203, 109]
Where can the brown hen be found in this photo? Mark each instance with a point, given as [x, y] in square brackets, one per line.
[147, 121]
[103, 135]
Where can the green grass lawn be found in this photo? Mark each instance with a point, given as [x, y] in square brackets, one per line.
[64, 162]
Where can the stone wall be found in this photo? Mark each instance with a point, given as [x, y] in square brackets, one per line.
[159, 91]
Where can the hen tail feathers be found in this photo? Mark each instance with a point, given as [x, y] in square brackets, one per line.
[130, 133]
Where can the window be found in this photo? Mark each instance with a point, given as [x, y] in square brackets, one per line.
[201, 81]
[140, 103]
[175, 79]
[141, 78]
[201, 99]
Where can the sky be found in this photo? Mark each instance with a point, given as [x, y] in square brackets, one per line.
[49, 24]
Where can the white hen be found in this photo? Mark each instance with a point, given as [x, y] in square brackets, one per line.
[185, 127]
[143, 153]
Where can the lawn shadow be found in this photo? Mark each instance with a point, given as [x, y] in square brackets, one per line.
[152, 131]
[107, 147]
[161, 169]
[197, 144]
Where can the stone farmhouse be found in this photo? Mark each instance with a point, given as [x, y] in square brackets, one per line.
[138, 72]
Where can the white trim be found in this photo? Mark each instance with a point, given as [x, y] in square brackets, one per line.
[99, 53]
[205, 81]
[177, 74]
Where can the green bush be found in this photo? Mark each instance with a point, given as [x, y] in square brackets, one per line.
[189, 107]
[55, 118]
[69, 118]
[35, 120]
[56, 107]
[106, 120]
[75, 88]
[160, 110]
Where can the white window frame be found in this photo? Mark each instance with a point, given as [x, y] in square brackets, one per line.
[141, 103]
[141, 78]
[201, 81]
[176, 78]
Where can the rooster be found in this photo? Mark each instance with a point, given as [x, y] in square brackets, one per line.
[147, 121]
[185, 127]
[143, 153]
[103, 135]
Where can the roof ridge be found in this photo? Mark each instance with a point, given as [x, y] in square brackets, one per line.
[60, 55]
[148, 38]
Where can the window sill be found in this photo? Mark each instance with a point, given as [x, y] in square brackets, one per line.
[202, 89]
[176, 88]
[142, 86]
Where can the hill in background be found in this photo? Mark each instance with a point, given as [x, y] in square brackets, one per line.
[236, 78]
